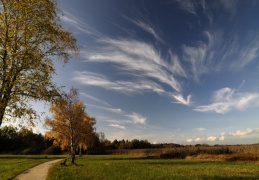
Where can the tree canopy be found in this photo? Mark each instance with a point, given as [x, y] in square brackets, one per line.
[70, 125]
[31, 37]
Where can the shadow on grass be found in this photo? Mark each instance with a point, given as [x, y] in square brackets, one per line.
[71, 164]
[128, 158]
[227, 178]
[30, 157]
[75, 164]
[161, 161]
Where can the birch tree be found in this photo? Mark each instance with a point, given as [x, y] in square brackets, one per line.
[31, 38]
[70, 125]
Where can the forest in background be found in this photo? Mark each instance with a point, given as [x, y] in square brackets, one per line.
[24, 141]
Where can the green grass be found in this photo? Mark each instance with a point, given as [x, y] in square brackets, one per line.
[11, 165]
[134, 167]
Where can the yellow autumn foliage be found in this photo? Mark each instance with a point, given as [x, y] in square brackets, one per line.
[31, 37]
[70, 126]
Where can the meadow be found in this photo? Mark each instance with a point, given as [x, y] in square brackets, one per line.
[185, 162]
[142, 167]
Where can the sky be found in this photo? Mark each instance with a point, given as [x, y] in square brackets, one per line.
[168, 71]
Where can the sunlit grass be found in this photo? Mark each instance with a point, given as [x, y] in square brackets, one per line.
[11, 165]
[135, 167]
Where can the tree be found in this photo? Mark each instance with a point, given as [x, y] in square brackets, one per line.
[70, 126]
[31, 37]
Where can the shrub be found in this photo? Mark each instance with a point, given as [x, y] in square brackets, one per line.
[54, 150]
[28, 151]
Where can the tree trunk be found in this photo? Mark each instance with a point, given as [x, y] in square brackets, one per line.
[80, 151]
[2, 112]
[3, 105]
[73, 154]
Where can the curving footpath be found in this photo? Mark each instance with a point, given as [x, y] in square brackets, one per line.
[39, 172]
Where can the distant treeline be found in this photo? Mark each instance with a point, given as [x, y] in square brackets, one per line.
[24, 141]
[104, 144]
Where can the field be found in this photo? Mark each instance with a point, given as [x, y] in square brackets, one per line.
[11, 165]
[187, 162]
[140, 167]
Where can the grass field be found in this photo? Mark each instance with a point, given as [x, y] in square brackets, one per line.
[11, 165]
[136, 167]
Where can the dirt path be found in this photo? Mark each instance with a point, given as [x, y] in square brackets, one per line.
[39, 172]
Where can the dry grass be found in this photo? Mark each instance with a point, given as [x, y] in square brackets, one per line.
[219, 152]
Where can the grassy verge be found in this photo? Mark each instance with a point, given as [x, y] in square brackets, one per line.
[136, 167]
[11, 165]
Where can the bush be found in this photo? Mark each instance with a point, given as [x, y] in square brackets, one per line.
[28, 151]
[54, 150]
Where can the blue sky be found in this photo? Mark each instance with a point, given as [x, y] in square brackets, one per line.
[167, 71]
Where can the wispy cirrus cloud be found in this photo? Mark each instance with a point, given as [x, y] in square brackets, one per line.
[127, 118]
[138, 86]
[114, 110]
[190, 6]
[216, 48]
[148, 27]
[95, 99]
[134, 56]
[80, 25]
[181, 100]
[128, 87]
[218, 53]
[201, 6]
[137, 118]
[227, 99]
[152, 71]
[141, 61]
[117, 126]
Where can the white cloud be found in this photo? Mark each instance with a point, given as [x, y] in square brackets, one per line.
[176, 66]
[244, 132]
[229, 5]
[199, 139]
[143, 83]
[217, 52]
[200, 129]
[148, 28]
[95, 79]
[133, 118]
[80, 25]
[212, 138]
[194, 7]
[222, 136]
[230, 137]
[196, 56]
[137, 57]
[95, 99]
[117, 126]
[141, 61]
[227, 99]
[137, 118]
[189, 140]
[180, 99]
[188, 6]
[114, 110]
